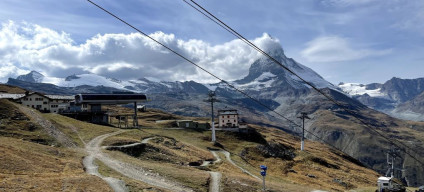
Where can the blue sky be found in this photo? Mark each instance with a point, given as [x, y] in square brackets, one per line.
[360, 41]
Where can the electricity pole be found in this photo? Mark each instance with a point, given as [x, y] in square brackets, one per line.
[303, 117]
[391, 155]
[212, 99]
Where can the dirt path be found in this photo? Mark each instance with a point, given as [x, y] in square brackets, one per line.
[47, 126]
[129, 170]
[93, 149]
[228, 157]
[215, 181]
[216, 176]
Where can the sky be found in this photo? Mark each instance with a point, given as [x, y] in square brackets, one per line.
[359, 41]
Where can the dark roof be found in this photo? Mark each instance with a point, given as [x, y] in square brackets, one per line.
[93, 98]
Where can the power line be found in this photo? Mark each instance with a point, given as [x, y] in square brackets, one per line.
[228, 84]
[239, 36]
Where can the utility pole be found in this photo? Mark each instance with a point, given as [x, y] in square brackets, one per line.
[303, 117]
[212, 99]
[135, 119]
[391, 155]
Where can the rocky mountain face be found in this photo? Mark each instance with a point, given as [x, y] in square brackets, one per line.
[32, 77]
[396, 97]
[286, 94]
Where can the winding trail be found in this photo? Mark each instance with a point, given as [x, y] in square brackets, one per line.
[216, 176]
[126, 169]
[228, 157]
[93, 149]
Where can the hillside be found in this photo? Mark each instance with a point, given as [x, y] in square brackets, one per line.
[11, 89]
[49, 165]
[32, 160]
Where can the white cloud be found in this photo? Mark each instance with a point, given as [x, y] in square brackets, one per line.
[334, 48]
[346, 3]
[25, 47]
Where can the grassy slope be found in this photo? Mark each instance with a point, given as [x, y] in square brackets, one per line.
[171, 151]
[11, 89]
[318, 160]
[30, 160]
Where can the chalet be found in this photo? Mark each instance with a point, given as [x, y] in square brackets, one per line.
[228, 118]
[44, 103]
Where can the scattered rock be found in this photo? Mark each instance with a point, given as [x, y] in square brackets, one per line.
[311, 176]
[195, 163]
[292, 171]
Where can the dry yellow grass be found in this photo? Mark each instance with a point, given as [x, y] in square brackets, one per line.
[11, 89]
[61, 168]
[27, 166]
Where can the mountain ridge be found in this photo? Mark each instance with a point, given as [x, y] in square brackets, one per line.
[394, 97]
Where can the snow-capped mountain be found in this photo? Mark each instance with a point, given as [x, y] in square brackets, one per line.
[33, 77]
[395, 97]
[265, 73]
[355, 89]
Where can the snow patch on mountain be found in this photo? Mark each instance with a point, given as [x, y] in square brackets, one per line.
[360, 89]
[33, 77]
[87, 79]
[310, 76]
[265, 80]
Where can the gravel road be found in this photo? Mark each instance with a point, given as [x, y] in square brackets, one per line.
[126, 169]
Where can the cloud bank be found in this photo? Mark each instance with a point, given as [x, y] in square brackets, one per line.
[336, 49]
[25, 47]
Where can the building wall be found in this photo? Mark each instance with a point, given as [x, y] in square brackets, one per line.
[42, 103]
[35, 101]
[228, 120]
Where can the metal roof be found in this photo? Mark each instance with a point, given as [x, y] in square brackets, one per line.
[10, 96]
[109, 98]
[62, 97]
[227, 112]
[384, 178]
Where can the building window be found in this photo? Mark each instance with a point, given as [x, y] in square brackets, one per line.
[223, 121]
[228, 116]
[30, 99]
[234, 120]
[53, 106]
[44, 102]
[25, 99]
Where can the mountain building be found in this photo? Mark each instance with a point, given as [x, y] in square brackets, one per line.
[228, 118]
[44, 103]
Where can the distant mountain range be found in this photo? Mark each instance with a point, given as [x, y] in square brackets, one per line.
[287, 95]
[401, 98]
